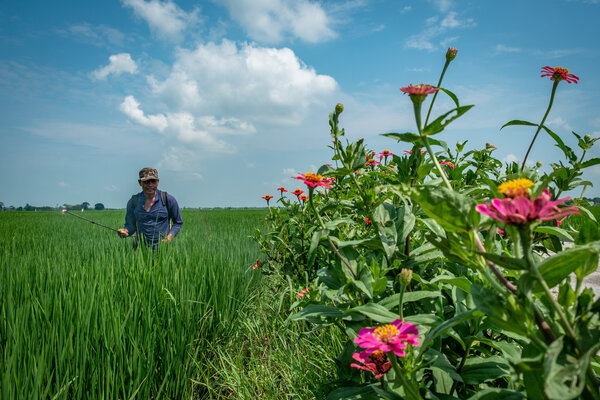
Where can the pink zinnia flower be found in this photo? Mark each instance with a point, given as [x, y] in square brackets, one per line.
[559, 74]
[448, 163]
[303, 292]
[314, 180]
[385, 153]
[522, 210]
[391, 337]
[376, 362]
[303, 197]
[418, 93]
[371, 161]
[64, 210]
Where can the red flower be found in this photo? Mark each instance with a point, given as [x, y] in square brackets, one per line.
[281, 189]
[559, 74]
[255, 266]
[303, 197]
[367, 220]
[376, 362]
[371, 161]
[267, 197]
[522, 210]
[298, 192]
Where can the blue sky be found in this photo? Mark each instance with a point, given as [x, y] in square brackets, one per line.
[230, 98]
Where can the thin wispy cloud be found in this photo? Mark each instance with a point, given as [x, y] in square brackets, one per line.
[503, 49]
[557, 53]
[435, 34]
[96, 35]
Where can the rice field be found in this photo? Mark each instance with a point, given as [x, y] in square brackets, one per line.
[84, 316]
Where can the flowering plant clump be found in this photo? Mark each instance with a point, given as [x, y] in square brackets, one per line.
[409, 267]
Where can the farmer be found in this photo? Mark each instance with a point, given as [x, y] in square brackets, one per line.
[152, 215]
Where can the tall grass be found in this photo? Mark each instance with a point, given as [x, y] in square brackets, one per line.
[84, 316]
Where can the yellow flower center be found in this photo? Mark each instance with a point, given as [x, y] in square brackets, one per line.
[315, 178]
[386, 333]
[561, 69]
[515, 187]
[386, 152]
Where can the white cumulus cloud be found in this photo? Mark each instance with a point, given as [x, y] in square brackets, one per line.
[131, 108]
[271, 21]
[118, 64]
[248, 83]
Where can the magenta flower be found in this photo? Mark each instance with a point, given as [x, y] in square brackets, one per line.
[522, 210]
[385, 153]
[559, 74]
[314, 180]
[372, 162]
[376, 362]
[64, 210]
[448, 163]
[391, 337]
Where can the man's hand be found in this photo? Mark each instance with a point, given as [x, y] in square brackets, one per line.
[168, 239]
[123, 232]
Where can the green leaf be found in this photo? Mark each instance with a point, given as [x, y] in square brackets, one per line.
[518, 122]
[437, 360]
[460, 282]
[451, 95]
[478, 369]
[448, 324]
[406, 137]
[589, 163]
[553, 230]
[505, 261]
[452, 210]
[583, 259]
[383, 218]
[317, 311]
[353, 393]
[376, 312]
[569, 153]
[496, 393]
[392, 301]
[442, 121]
[314, 244]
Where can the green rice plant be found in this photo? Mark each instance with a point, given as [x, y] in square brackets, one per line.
[269, 357]
[82, 315]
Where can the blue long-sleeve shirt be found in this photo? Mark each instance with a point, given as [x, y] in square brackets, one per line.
[154, 224]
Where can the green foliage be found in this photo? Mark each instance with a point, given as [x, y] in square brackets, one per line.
[403, 239]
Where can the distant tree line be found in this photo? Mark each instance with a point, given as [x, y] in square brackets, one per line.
[71, 207]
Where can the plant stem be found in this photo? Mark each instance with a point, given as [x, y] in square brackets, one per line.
[411, 392]
[417, 108]
[526, 243]
[436, 93]
[461, 365]
[541, 123]
[401, 301]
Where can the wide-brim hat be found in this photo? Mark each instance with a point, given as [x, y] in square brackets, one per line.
[148, 173]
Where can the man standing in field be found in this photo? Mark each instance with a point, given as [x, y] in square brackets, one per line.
[152, 215]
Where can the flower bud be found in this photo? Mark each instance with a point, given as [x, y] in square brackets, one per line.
[451, 53]
[405, 276]
[587, 138]
[339, 108]
[538, 164]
